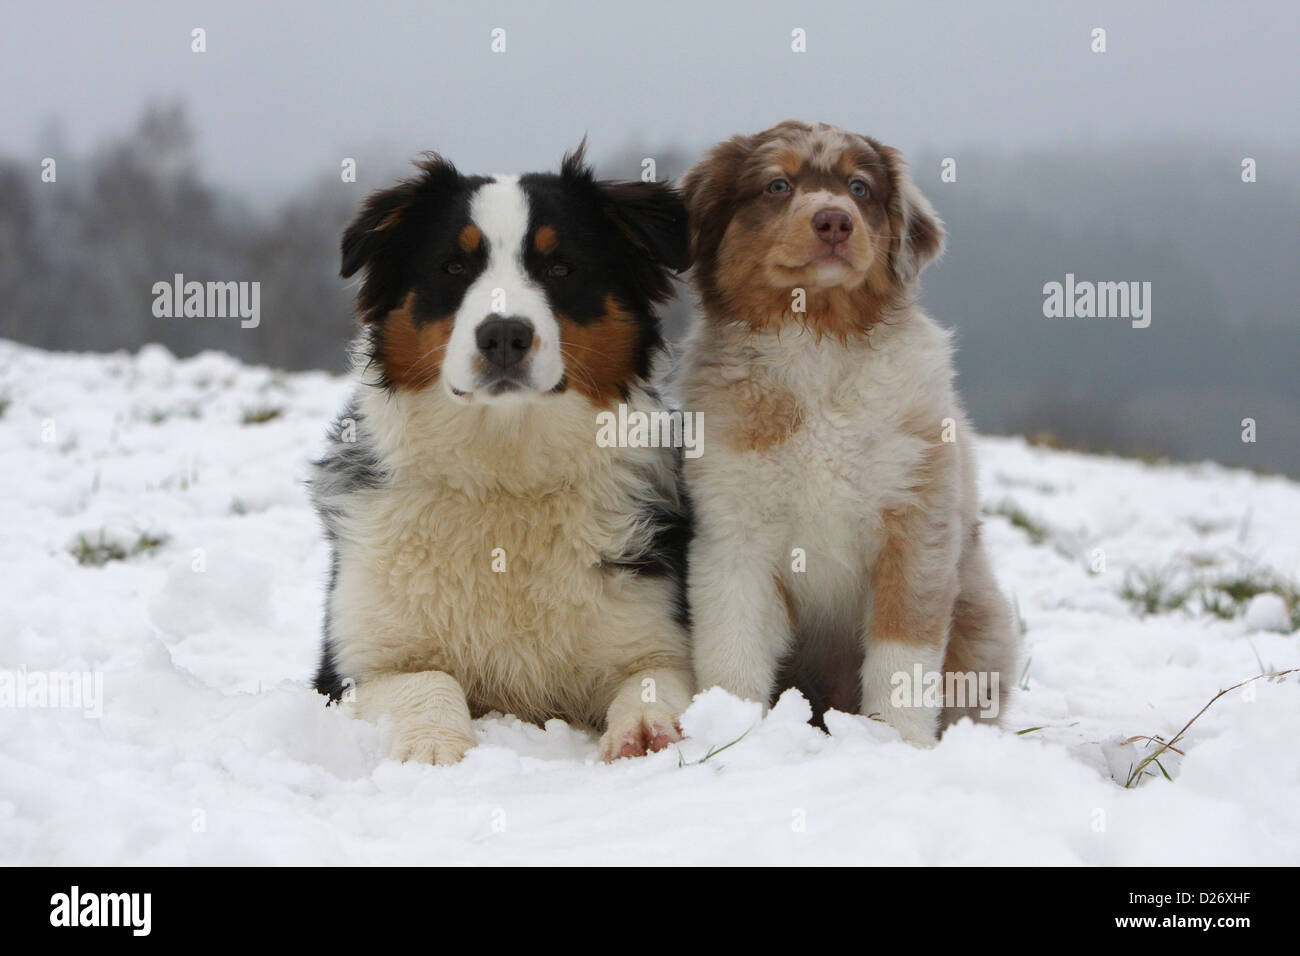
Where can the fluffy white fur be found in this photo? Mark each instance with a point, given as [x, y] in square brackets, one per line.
[417, 598]
[824, 491]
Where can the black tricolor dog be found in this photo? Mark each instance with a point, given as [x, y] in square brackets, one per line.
[488, 553]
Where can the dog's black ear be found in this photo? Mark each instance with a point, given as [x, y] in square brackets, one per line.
[574, 166]
[653, 218]
[919, 235]
[649, 217]
[374, 226]
[381, 231]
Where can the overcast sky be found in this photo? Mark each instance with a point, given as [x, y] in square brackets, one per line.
[285, 90]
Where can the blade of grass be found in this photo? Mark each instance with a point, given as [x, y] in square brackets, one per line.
[1146, 762]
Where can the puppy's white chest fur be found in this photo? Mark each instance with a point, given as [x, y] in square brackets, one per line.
[854, 456]
[851, 421]
[850, 425]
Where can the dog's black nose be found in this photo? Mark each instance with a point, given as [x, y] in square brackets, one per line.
[504, 342]
[832, 225]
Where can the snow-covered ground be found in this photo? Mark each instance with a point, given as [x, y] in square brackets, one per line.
[208, 745]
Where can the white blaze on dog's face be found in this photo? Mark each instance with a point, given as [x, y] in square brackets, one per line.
[505, 340]
[503, 290]
[812, 208]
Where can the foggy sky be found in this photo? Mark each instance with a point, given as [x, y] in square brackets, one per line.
[286, 90]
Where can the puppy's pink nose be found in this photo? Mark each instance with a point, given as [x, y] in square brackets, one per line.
[832, 225]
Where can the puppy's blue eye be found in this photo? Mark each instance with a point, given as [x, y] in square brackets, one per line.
[778, 186]
[453, 268]
[558, 271]
[858, 187]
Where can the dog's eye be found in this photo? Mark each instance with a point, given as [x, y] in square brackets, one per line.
[558, 271]
[858, 187]
[778, 186]
[453, 268]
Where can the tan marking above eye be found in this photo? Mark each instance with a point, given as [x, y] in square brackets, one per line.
[545, 240]
[847, 165]
[789, 159]
[470, 237]
[782, 171]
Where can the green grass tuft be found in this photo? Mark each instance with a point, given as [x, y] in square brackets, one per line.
[100, 551]
[156, 416]
[1217, 595]
[1019, 518]
[1152, 592]
[261, 415]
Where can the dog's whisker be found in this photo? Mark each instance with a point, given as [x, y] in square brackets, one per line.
[576, 366]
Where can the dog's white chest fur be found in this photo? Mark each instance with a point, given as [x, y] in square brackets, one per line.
[434, 544]
[511, 552]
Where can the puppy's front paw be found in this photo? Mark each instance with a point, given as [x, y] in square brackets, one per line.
[439, 747]
[638, 733]
[919, 726]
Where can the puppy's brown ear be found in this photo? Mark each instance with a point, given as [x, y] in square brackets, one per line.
[918, 231]
[709, 191]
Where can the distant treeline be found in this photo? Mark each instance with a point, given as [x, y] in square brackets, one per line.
[79, 258]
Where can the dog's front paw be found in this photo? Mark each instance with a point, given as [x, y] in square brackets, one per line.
[439, 747]
[638, 733]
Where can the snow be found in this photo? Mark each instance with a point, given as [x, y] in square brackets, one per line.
[1267, 612]
[211, 748]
